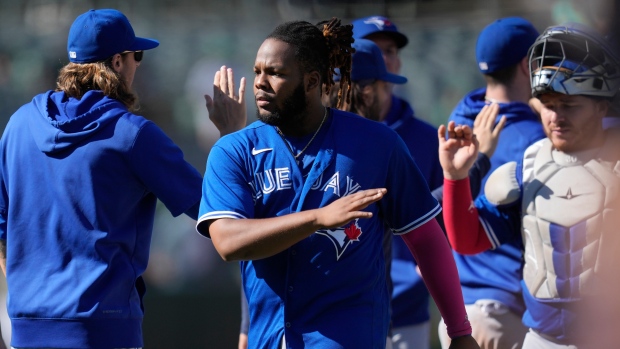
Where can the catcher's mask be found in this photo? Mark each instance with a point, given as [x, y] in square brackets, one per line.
[574, 60]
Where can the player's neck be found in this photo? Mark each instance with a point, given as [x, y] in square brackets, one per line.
[506, 94]
[309, 123]
[385, 109]
[517, 90]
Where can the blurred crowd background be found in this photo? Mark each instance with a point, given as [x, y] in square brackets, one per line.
[193, 296]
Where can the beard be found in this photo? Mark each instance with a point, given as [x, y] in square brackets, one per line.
[291, 113]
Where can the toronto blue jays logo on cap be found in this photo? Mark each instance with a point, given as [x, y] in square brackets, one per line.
[364, 27]
[379, 22]
[342, 237]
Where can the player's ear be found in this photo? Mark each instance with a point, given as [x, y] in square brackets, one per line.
[312, 80]
[117, 62]
[602, 107]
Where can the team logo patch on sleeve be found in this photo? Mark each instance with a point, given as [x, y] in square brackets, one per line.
[342, 237]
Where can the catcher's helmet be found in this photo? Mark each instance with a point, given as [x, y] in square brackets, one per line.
[575, 60]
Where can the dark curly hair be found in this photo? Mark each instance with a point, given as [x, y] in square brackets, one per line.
[324, 47]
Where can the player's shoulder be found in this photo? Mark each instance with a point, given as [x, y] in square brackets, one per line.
[249, 135]
[424, 126]
[352, 119]
[529, 158]
[468, 107]
[531, 151]
[359, 126]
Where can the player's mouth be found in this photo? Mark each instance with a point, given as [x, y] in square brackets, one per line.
[263, 101]
[560, 130]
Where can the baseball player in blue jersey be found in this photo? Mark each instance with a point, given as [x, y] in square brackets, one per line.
[491, 280]
[559, 200]
[410, 300]
[80, 176]
[301, 198]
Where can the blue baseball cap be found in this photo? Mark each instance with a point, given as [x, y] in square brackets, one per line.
[368, 64]
[363, 27]
[504, 43]
[97, 35]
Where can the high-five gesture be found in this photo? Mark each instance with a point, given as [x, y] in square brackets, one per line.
[486, 131]
[227, 109]
[458, 152]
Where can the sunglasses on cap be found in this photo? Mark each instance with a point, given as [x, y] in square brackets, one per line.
[137, 55]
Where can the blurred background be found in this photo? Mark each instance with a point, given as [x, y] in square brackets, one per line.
[193, 296]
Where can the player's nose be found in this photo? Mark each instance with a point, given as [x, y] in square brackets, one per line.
[260, 81]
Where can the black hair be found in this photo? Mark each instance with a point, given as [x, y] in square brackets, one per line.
[324, 48]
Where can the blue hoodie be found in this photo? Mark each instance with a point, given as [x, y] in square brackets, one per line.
[79, 183]
[496, 274]
[409, 296]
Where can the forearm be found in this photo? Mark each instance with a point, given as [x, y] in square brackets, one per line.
[432, 252]
[249, 239]
[480, 169]
[463, 228]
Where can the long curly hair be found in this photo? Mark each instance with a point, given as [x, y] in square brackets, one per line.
[76, 79]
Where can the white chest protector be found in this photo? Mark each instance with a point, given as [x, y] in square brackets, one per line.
[571, 218]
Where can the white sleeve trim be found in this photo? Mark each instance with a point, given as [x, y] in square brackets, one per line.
[488, 229]
[418, 222]
[216, 215]
[221, 214]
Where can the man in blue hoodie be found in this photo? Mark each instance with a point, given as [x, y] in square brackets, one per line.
[410, 298]
[491, 280]
[80, 176]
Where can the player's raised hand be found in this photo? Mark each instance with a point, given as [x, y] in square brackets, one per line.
[458, 152]
[486, 131]
[348, 208]
[227, 108]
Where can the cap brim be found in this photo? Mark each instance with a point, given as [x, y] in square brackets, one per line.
[401, 39]
[142, 44]
[395, 79]
[367, 31]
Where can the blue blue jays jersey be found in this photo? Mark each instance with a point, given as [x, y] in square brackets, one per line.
[329, 290]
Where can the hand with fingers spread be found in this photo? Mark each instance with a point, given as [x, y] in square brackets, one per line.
[348, 208]
[486, 131]
[227, 108]
[458, 152]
